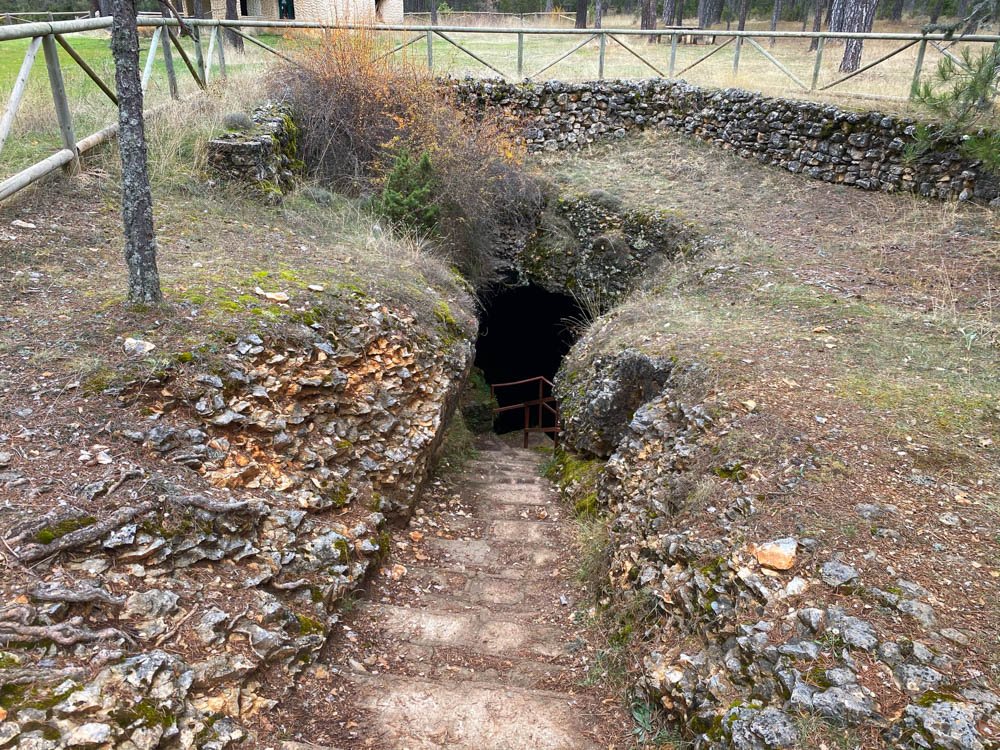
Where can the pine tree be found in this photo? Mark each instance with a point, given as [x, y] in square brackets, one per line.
[963, 96]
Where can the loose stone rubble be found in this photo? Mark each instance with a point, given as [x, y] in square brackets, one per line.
[865, 150]
[258, 500]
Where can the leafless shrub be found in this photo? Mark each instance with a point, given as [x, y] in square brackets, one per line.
[359, 110]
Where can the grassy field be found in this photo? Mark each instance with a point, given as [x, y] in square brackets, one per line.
[35, 134]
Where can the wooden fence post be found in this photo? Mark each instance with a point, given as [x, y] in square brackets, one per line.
[168, 61]
[736, 56]
[600, 56]
[915, 85]
[673, 55]
[220, 50]
[520, 54]
[819, 63]
[199, 56]
[60, 100]
[430, 50]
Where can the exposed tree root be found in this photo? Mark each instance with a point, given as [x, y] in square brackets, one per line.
[82, 594]
[67, 633]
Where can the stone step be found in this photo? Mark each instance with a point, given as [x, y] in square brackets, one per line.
[442, 663]
[542, 533]
[417, 714]
[519, 494]
[496, 557]
[479, 631]
[473, 588]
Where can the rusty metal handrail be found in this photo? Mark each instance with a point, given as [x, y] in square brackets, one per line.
[543, 402]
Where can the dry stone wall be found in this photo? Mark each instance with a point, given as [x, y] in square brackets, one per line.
[866, 150]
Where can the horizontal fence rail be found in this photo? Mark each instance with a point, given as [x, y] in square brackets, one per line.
[48, 36]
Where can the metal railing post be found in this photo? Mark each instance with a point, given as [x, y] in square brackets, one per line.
[817, 67]
[736, 56]
[520, 54]
[673, 55]
[600, 60]
[915, 85]
[60, 101]
[430, 50]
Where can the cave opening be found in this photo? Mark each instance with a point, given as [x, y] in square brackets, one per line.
[525, 331]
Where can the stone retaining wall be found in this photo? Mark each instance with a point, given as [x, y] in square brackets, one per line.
[262, 152]
[866, 150]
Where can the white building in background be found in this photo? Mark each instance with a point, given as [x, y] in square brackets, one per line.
[326, 11]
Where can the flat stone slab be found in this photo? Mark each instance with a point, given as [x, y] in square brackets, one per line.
[457, 629]
[527, 532]
[422, 715]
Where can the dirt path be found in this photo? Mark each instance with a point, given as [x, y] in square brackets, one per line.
[470, 639]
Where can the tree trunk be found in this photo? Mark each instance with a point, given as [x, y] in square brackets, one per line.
[936, 10]
[817, 23]
[859, 16]
[434, 12]
[648, 18]
[581, 14]
[775, 17]
[95, 8]
[198, 10]
[668, 12]
[137, 198]
[744, 11]
[680, 12]
[598, 13]
[835, 21]
[234, 39]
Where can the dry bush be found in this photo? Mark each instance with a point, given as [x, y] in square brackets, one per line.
[359, 109]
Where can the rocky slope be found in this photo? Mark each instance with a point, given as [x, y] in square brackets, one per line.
[179, 524]
[792, 562]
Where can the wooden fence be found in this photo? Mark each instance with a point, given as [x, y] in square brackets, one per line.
[51, 35]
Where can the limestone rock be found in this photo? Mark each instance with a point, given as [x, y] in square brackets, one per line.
[777, 555]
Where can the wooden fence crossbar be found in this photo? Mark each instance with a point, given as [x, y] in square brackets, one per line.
[774, 61]
[872, 64]
[49, 36]
[16, 94]
[91, 73]
[705, 57]
[637, 55]
[471, 54]
[562, 57]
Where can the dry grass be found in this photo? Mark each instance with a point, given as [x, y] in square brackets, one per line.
[861, 328]
[36, 136]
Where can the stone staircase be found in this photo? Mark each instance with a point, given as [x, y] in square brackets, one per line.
[471, 643]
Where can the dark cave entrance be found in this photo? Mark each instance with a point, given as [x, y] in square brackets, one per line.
[525, 332]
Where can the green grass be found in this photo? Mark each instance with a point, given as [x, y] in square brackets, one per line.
[35, 134]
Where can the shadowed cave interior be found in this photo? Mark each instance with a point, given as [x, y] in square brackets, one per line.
[525, 331]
